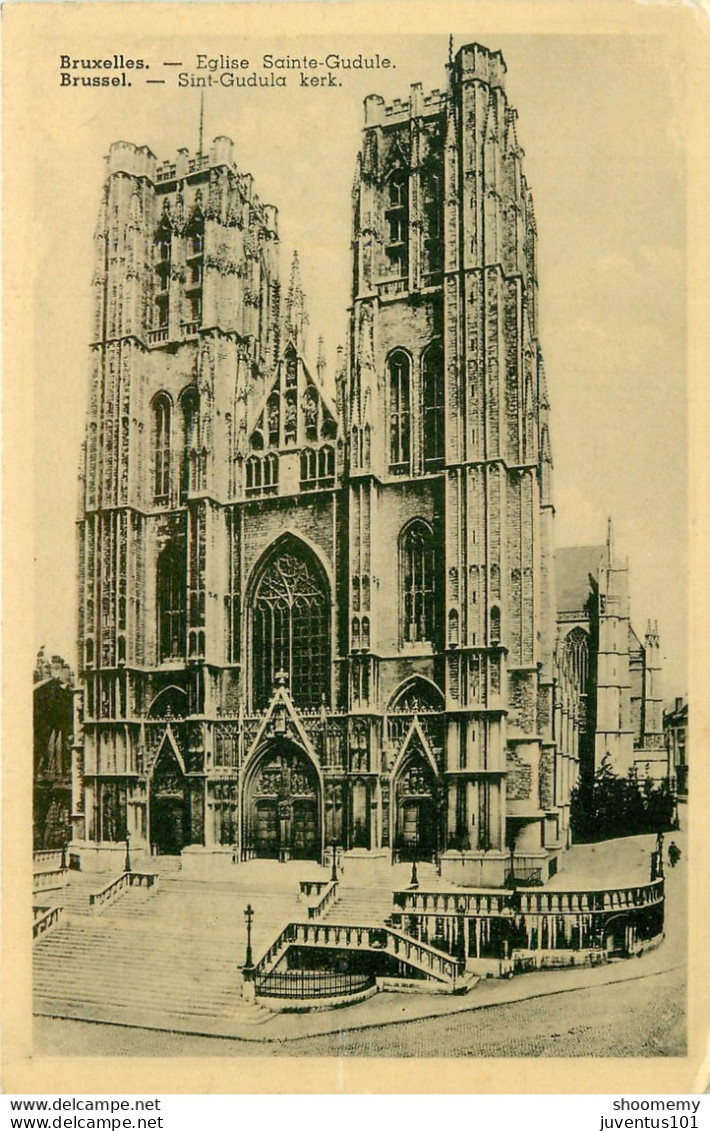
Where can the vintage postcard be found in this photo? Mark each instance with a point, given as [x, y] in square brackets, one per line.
[349, 355]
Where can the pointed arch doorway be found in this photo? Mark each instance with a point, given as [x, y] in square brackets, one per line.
[169, 809]
[283, 805]
[416, 833]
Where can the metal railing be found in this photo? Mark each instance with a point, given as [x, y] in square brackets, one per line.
[530, 878]
[304, 984]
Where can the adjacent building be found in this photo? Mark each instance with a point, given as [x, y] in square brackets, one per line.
[620, 707]
[53, 693]
[675, 731]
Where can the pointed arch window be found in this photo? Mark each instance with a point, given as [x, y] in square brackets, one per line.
[576, 647]
[262, 476]
[433, 216]
[190, 404]
[162, 426]
[399, 375]
[397, 222]
[291, 628]
[418, 582]
[317, 468]
[271, 473]
[309, 469]
[273, 418]
[171, 587]
[495, 626]
[194, 263]
[162, 255]
[433, 404]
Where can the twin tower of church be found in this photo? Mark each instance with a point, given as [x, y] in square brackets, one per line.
[319, 607]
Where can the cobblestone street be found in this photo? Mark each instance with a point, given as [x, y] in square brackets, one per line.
[640, 1018]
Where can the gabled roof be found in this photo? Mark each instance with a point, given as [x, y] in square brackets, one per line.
[573, 567]
[255, 414]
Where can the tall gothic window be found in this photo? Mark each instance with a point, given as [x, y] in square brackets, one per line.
[433, 250]
[172, 582]
[576, 648]
[397, 221]
[194, 263]
[291, 628]
[433, 388]
[162, 422]
[399, 408]
[163, 241]
[190, 402]
[418, 581]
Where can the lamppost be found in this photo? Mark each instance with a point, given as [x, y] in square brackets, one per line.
[64, 856]
[127, 863]
[333, 862]
[461, 936]
[506, 943]
[248, 969]
[414, 878]
[248, 919]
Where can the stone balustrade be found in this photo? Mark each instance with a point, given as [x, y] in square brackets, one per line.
[384, 940]
[44, 919]
[46, 881]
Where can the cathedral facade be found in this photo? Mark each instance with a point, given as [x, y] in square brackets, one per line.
[317, 608]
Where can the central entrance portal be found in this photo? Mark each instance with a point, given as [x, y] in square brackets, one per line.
[282, 806]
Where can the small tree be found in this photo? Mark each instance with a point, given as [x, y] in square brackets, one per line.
[608, 805]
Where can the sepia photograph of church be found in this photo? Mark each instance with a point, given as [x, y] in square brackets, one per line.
[342, 701]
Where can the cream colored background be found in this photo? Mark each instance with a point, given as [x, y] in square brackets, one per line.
[628, 321]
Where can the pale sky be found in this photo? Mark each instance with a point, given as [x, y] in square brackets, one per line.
[600, 120]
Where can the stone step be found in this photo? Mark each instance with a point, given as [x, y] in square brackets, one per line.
[95, 966]
[359, 906]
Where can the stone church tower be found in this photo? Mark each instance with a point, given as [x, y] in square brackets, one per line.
[450, 458]
[319, 610]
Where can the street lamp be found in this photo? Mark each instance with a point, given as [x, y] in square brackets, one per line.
[248, 919]
[127, 864]
[506, 943]
[333, 863]
[461, 936]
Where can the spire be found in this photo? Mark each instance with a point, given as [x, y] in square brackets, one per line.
[296, 317]
[320, 363]
[202, 122]
[609, 542]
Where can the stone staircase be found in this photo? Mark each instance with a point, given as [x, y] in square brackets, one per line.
[170, 957]
[94, 970]
[167, 958]
[360, 906]
[372, 904]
